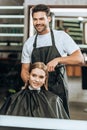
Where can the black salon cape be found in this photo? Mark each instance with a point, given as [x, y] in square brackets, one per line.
[34, 103]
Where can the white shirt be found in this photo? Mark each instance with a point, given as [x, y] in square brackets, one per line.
[31, 88]
[64, 44]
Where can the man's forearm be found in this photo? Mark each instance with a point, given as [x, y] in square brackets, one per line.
[72, 59]
[24, 76]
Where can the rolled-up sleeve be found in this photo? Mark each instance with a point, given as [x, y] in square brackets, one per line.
[26, 53]
[69, 44]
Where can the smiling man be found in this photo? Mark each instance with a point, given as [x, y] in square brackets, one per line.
[50, 46]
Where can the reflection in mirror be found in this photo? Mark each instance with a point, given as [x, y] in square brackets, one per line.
[72, 21]
[71, 24]
[73, 27]
[85, 32]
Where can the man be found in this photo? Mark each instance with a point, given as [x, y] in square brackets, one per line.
[54, 48]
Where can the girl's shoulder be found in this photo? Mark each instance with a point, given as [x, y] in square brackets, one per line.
[50, 95]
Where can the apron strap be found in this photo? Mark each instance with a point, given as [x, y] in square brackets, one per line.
[52, 38]
[34, 45]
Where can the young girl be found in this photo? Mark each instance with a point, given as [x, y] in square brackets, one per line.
[35, 100]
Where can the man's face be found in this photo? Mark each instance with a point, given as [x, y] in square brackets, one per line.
[41, 22]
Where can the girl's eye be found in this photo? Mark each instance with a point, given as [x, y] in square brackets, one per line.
[33, 75]
[41, 77]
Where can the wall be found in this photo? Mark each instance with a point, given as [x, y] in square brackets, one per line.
[5, 11]
[11, 2]
[76, 93]
[55, 2]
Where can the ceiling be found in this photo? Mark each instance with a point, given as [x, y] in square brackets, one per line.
[71, 2]
[56, 2]
[68, 13]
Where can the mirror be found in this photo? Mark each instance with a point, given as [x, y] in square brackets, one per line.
[72, 20]
[85, 32]
[67, 19]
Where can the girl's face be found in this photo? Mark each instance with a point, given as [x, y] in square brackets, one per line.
[37, 78]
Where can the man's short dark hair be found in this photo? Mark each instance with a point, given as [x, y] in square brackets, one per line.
[42, 8]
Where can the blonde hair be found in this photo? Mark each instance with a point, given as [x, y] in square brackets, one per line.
[42, 66]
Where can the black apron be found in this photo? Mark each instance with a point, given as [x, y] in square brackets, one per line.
[57, 79]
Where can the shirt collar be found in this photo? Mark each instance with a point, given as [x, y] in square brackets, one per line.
[31, 88]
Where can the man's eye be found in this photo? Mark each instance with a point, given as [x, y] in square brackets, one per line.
[41, 18]
[34, 19]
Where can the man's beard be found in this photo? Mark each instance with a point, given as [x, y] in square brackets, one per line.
[43, 29]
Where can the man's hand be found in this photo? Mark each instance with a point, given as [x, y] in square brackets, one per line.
[25, 72]
[52, 64]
